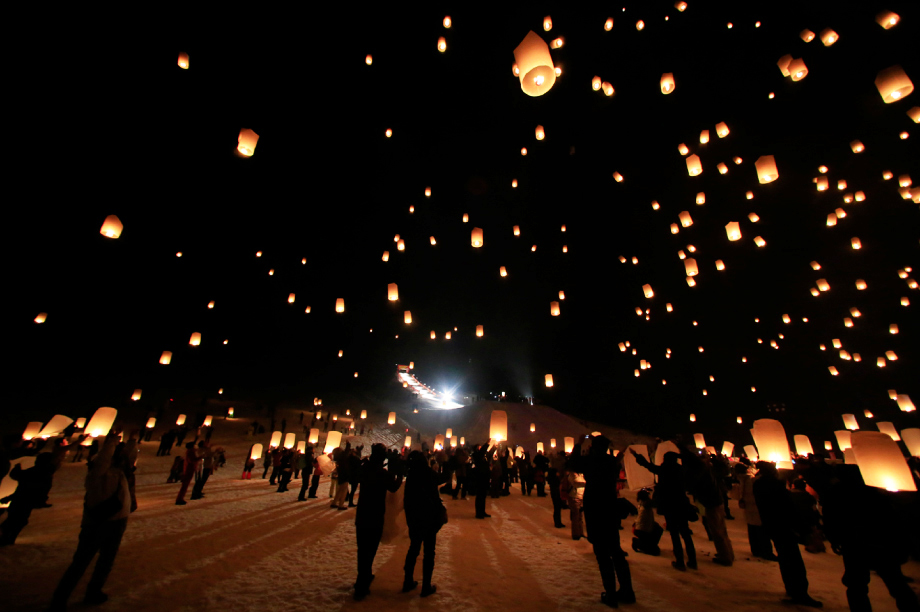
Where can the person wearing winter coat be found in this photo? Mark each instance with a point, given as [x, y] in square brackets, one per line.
[266, 463]
[314, 480]
[461, 461]
[552, 479]
[286, 471]
[307, 459]
[375, 482]
[248, 465]
[573, 487]
[31, 493]
[600, 472]
[541, 463]
[778, 514]
[106, 508]
[354, 468]
[175, 472]
[276, 466]
[188, 472]
[646, 531]
[482, 474]
[671, 498]
[301, 461]
[744, 493]
[207, 468]
[425, 515]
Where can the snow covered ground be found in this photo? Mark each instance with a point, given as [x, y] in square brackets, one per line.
[245, 547]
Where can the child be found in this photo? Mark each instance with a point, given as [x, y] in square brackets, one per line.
[646, 531]
[175, 472]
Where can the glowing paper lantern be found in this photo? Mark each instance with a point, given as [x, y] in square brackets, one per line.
[893, 84]
[772, 445]
[911, 439]
[554, 309]
[828, 37]
[548, 380]
[690, 267]
[391, 418]
[694, 167]
[101, 422]
[881, 463]
[476, 238]
[608, 89]
[704, 136]
[498, 425]
[569, 444]
[720, 265]
[766, 169]
[392, 292]
[407, 316]
[340, 305]
[807, 35]
[246, 142]
[803, 445]
[195, 340]
[81, 423]
[685, 219]
[667, 83]
[797, 69]
[183, 61]
[539, 133]
[888, 429]
[111, 227]
[535, 64]
[904, 403]
[442, 44]
[166, 357]
[333, 441]
[699, 440]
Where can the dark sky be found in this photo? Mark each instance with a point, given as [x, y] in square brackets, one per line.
[116, 127]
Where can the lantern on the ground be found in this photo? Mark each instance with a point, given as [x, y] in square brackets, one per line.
[535, 64]
[246, 142]
[111, 227]
[881, 463]
[498, 425]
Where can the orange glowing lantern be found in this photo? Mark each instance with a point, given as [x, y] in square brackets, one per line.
[880, 462]
[535, 65]
[893, 84]
[246, 142]
[694, 167]
[476, 238]
[766, 169]
[667, 83]
[111, 227]
[548, 380]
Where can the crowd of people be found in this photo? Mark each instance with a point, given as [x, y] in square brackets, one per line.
[815, 502]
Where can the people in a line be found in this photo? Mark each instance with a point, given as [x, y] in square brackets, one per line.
[106, 508]
[375, 480]
[778, 514]
[425, 515]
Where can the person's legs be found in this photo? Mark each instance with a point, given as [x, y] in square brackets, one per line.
[557, 513]
[304, 485]
[791, 566]
[368, 541]
[340, 494]
[431, 540]
[621, 566]
[687, 535]
[604, 558]
[904, 596]
[856, 579]
[17, 518]
[480, 501]
[715, 516]
[415, 546]
[314, 483]
[109, 539]
[87, 547]
[675, 526]
[180, 499]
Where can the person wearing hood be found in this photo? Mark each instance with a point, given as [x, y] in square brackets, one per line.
[106, 508]
[425, 515]
[375, 481]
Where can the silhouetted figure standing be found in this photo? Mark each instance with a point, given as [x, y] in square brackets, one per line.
[482, 473]
[866, 545]
[777, 511]
[31, 493]
[425, 515]
[600, 471]
[671, 498]
[188, 472]
[552, 479]
[375, 482]
[105, 516]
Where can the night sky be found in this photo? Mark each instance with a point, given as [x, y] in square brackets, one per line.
[116, 127]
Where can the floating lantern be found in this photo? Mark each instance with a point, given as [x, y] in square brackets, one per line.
[720, 265]
[881, 463]
[891, 356]
[535, 65]
[849, 421]
[733, 230]
[685, 219]
[803, 445]
[694, 167]
[289, 439]
[246, 142]
[667, 83]
[391, 418]
[569, 444]
[828, 37]
[183, 60]
[753, 218]
[783, 64]
[207, 421]
[893, 84]
[388, 133]
[479, 331]
[797, 69]
[914, 114]
[831, 220]
[723, 169]
[911, 439]
[101, 422]
[766, 169]
[111, 227]
[540, 134]
[690, 267]
[722, 130]
[498, 425]
[807, 35]
[608, 89]
[447, 336]
[857, 146]
[855, 243]
[502, 271]
[392, 292]
[476, 237]
[333, 441]
[760, 242]
[904, 403]
[832, 370]
[618, 177]
[516, 230]
[166, 357]
[442, 44]
[596, 83]
[699, 440]
[180, 420]
[683, 149]
[888, 429]
[772, 445]
[369, 60]
[554, 309]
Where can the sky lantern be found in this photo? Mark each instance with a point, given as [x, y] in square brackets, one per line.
[904, 403]
[888, 429]
[340, 305]
[369, 59]
[733, 231]
[180, 420]
[447, 336]
[832, 370]
[341, 353]
[891, 356]
[41, 317]
[136, 395]
[407, 317]
[211, 304]
[685, 219]
[466, 218]
[392, 292]
[720, 265]
[911, 439]
[433, 335]
[516, 230]
[691, 267]
[618, 177]
[101, 421]
[479, 331]
[797, 69]
[783, 64]
[183, 60]
[290, 439]
[535, 64]
[290, 298]
[701, 198]
[596, 83]
[766, 169]
[647, 289]
[674, 228]
[667, 83]
[476, 238]
[195, 340]
[753, 217]
[433, 241]
[608, 89]
[704, 136]
[828, 37]
[881, 462]
[502, 271]
[893, 84]
[699, 441]
[914, 114]
[893, 328]
[166, 357]
[722, 130]
[246, 142]
[498, 425]
[849, 421]
[388, 133]
[807, 35]
[547, 23]
[548, 380]
[831, 220]
[855, 243]
[683, 149]
[723, 169]
[772, 445]
[111, 227]
[640, 25]
[554, 309]
[333, 441]
[539, 133]
[887, 19]
[821, 183]
[442, 44]
[857, 146]
[694, 167]
[803, 445]
[569, 444]
[391, 419]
